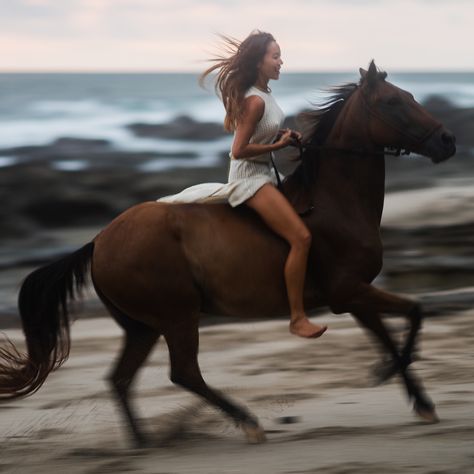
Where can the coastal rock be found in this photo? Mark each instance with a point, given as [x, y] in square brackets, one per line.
[74, 154]
[460, 120]
[72, 145]
[67, 212]
[180, 128]
[61, 147]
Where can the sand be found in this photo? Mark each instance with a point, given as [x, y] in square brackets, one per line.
[314, 398]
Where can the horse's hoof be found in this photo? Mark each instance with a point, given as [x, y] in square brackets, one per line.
[254, 434]
[427, 414]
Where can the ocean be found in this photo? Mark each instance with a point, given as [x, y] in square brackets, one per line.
[36, 109]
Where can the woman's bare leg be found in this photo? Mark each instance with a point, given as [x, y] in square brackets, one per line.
[280, 216]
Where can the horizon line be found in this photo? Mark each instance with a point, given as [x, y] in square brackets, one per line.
[184, 71]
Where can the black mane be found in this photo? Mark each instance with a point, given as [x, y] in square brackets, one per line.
[316, 125]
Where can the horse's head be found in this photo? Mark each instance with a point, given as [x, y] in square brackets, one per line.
[396, 120]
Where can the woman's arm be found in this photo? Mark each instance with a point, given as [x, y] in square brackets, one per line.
[254, 107]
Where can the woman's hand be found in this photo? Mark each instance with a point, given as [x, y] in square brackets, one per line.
[288, 137]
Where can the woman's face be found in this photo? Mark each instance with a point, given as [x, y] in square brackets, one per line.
[269, 66]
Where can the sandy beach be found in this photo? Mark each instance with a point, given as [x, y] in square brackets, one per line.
[315, 400]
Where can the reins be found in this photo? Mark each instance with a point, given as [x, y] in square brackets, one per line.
[302, 147]
[355, 151]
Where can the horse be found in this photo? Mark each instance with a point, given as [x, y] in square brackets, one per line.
[158, 266]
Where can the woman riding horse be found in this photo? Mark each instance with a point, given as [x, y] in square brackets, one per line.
[255, 117]
[157, 266]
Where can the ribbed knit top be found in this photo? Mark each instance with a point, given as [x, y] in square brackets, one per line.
[268, 126]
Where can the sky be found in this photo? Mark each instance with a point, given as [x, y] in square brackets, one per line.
[179, 35]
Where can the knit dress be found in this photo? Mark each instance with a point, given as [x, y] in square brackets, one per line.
[246, 175]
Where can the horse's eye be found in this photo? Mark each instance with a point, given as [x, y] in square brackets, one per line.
[395, 100]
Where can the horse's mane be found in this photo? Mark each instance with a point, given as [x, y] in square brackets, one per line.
[316, 125]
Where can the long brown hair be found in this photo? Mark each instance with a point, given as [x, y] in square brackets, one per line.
[237, 71]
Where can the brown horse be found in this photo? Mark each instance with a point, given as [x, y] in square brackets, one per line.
[157, 266]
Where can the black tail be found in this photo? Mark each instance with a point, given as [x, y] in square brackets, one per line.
[43, 305]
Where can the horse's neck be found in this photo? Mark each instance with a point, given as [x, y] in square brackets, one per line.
[357, 180]
[347, 180]
[357, 174]
[352, 184]
[352, 180]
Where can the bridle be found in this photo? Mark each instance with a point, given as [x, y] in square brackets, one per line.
[392, 151]
[389, 150]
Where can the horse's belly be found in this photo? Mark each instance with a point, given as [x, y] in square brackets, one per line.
[243, 281]
[237, 266]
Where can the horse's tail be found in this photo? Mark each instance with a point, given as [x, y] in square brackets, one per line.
[43, 305]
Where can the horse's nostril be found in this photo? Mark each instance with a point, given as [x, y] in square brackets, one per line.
[448, 138]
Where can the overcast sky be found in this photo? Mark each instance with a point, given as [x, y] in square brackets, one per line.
[178, 35]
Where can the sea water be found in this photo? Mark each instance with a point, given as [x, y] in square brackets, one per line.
[36, 109]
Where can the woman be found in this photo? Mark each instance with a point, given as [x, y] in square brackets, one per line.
[255, 118]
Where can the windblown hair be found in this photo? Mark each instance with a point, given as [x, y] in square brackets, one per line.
[237, 71]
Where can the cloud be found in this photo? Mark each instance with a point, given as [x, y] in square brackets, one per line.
[179, 34]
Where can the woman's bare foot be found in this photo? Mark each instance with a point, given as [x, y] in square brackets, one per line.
[305, 328]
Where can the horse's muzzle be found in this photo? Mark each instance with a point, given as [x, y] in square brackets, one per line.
[440, 146]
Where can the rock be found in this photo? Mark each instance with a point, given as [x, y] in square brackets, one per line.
[459, 120]
[180, 128]
[437, 104]
[71, 145]
[58, 212]
[92, 154]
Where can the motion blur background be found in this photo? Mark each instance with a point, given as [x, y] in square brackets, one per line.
[100, 109]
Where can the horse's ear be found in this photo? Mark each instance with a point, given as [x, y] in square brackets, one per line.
[371, 75]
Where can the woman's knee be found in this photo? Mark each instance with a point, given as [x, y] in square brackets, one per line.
[302, 239]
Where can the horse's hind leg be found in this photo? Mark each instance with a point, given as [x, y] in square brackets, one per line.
[136, 348]
[183, 341]
[138, 342]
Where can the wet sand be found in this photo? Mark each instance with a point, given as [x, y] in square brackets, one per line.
[315, 400]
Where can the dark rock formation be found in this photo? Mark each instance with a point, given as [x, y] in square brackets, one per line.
[457, 119]
[180, 128]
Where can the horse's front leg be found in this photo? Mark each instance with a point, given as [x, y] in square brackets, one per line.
[367, 298]
[423, 406]
[366, 303]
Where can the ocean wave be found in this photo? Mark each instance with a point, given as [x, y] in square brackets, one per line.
[103, 107]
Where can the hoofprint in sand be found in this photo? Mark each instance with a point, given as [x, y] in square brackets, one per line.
[313, 397]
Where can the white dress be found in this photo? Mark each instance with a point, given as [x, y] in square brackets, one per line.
[246, 176]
